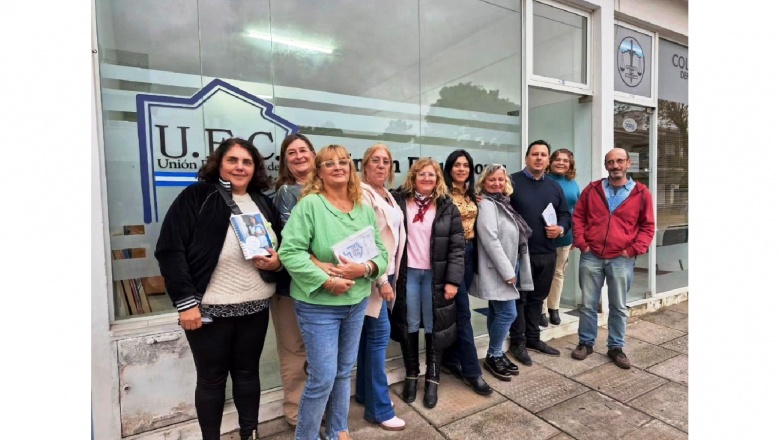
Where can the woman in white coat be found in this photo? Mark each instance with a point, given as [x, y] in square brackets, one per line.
[503, 264]
[371, 386]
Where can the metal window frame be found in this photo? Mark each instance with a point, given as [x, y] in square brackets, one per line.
[556, 83]
[629, 98]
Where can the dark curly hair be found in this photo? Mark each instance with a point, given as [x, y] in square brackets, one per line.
[450, 162]
[209, 172]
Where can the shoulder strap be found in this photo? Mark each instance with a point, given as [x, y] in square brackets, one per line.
[228, 199]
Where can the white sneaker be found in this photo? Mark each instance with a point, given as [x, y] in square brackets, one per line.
[394, 424]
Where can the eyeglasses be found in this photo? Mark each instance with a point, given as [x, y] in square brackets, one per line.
[428, 175]
[616, 161]
[342, 163]
[376, 161]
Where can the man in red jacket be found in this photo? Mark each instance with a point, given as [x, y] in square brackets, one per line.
[613, 223]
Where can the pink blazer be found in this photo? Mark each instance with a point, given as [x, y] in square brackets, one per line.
[383, 219]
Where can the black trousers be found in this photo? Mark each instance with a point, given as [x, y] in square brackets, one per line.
[463, 351]
[529, 306]
[228, 345]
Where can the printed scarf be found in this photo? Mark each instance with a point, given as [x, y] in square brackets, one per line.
[503, 201]
[423, 203]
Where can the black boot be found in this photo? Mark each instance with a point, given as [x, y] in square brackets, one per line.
[555, 317]
[433, 368]
[411, 354]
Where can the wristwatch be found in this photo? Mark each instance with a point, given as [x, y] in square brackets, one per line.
[563, 232]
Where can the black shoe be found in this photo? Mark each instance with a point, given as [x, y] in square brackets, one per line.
[511, 367]
[520, 354]
[453, 369]
[543, 321]
[431, 397]
[541, 347]
[497, 367]
[479, 385]
[409, 393]
[555, 318]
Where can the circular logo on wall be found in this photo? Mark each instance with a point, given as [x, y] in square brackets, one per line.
[631, 61]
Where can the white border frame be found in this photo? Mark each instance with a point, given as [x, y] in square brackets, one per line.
[556, 83]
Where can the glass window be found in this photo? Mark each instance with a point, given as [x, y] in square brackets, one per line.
[560, 44]
[672, 215]
[633, 62]
[632, 133]
[470, 89]
[564, 121]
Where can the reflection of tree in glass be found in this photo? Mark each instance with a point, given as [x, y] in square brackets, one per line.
[473, 98]
[673, 114]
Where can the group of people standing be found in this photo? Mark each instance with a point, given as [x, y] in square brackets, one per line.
[440, 237]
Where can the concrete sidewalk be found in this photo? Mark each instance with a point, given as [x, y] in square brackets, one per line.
[558, 397]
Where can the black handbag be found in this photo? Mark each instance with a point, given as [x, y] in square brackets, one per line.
[267, 275]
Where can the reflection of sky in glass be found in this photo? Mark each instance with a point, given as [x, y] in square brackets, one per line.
[625, 46]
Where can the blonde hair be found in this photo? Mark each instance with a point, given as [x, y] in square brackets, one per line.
[489, 171]
[440, 191]
[370, 152]
[314, 184]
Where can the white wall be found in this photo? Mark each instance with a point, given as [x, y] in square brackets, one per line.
[668, 17]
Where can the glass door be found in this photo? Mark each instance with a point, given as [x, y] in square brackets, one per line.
[633, 126]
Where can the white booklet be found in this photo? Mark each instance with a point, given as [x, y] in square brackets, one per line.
[252, 233]
[550, 218]
[359, 247]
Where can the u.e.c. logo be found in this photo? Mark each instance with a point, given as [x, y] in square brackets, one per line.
[631, 62]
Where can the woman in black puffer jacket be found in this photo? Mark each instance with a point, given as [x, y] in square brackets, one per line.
[430, 272]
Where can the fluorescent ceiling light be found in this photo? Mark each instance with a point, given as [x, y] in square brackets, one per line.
[290, 42]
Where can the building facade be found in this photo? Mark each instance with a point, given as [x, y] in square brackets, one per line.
[172, 78]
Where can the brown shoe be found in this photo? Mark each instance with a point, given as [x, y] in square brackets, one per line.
[620, 358]
[582, 351]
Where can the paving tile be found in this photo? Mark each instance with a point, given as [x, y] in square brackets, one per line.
[679, 344]
[594, 416]
[668, 403]
[567, 366]
[656, 430]
[505, 420]
[652, 333]
[562, 436]
[276, 429]
[416, 425]
[456, 400]
[541, 389]
[620, 384]
[679, 307]
[668, 318]
[675, 369]
[643, 354]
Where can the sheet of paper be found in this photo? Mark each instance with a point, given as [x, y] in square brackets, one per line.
[550, 218]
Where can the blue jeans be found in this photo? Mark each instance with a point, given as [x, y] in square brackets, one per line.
[371, 384]
[419, 299]
[331, 335]
[501, 315]
[463, 351]
[619, 273]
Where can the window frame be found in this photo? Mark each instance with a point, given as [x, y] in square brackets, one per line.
[630, 98]
[558, 84]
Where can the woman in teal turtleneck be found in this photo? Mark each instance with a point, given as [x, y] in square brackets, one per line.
[561, 169]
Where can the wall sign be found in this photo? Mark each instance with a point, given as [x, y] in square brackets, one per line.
[672, 72]
[633, 62]
[176, 135]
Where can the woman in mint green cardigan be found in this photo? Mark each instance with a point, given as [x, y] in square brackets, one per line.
[330, 293]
